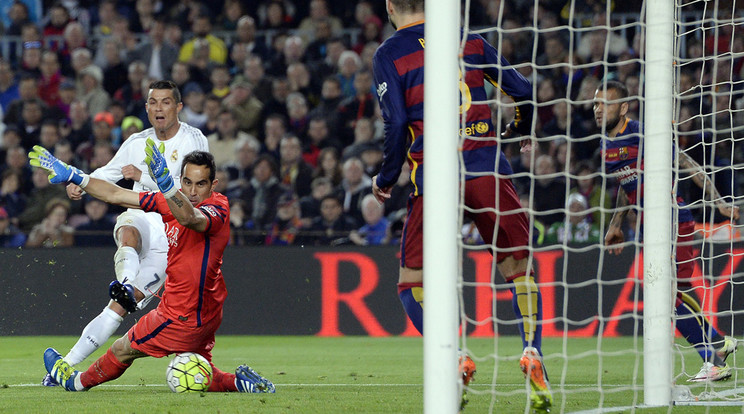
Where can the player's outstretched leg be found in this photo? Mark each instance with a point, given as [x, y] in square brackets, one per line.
[541, 398]
[727, 348]
[61, 371]
[248, 380]
[466, 368]
[698, 331]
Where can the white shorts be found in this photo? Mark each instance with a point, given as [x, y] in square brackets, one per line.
[153, 254]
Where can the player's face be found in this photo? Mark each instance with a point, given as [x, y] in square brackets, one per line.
[607, 110]
[162, 111]
[195, 183]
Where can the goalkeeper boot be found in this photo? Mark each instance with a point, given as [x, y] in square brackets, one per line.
[710, 372]
[123, 294]
[48, 381]
[248, 380]
[61, 371]
[729, 347]
[466, 369]
[532, 366]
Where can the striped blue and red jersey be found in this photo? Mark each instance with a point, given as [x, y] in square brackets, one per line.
[398, 66]
[623, 158]
[194, 287]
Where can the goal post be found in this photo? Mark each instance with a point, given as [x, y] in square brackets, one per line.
[441, 263]
[658, 288]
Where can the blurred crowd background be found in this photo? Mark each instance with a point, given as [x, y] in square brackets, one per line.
[283, 90]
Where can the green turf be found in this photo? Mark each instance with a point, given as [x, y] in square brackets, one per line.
[339, 375]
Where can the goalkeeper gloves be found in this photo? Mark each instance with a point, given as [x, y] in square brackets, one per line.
[59, 172]
[158, 168]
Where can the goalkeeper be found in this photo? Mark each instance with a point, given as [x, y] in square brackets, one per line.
[621, 150]
[399, 75]
[185, 320]
[141, 257]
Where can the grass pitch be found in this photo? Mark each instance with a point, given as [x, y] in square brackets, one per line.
[346, 375]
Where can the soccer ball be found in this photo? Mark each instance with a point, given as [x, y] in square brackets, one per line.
[188, 372]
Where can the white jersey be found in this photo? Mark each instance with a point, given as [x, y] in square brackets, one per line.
[132, 151]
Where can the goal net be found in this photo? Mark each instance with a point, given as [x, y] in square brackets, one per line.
[596, 325]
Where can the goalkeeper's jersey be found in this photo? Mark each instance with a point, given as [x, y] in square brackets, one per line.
[623, 156]
[399, 75]
[194, 287]
[132, 151]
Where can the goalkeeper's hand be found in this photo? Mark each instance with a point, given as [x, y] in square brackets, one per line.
[158, 168]
[59, 172]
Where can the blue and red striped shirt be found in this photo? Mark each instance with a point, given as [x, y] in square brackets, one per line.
[398, 66]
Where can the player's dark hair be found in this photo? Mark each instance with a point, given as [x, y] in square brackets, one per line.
[201, 158]
[166, 84]
[618, 87]
[408, 6]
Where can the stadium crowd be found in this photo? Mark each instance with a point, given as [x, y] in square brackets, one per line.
[283, 90]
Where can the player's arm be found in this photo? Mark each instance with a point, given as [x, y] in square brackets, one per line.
[393, 106]
[701, 179]
[615, 228]
[61, 173]
[180, 205]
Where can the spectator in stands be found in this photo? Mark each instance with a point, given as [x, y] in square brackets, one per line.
[294, 173]
[103, 152]
[8, 86]
[230, 15]
[300, 81]
[193, 105]
[348, 65]
[220, 80]
[329, 166]
[240, 168]
[318, 138]
[63, 152]
[31, 58]
[103, 124]
[245, 36]
[157, 54]
[371, 32]
[32, 116]
[592, 44]
[310, 204]
[261, 194]
[11, 138]
[549, 191]
[180, 74]
[212, 109]
[145, 18]
[275, 127]
[319, 12]
[19, 15]
[287, 224]
[202, 28]
[12, 198]
[277, 104]
[222, 143]
[74, 38]
[248, 109]
[50, 80]
[330, 98]
[293, 51]
[351, 109]
[274, 16]
[81, 128]
[58, 17]
[49, 134]
[576, 228]
[41, 193]
[10, 235]
[334, 47]
[79, 59]
[96, 226]
[67, 94]
[92, 93]
[130, 125]
[317, 40]
[332, 227]
[298, 112]
[106, 14]
[375, 230]
[586, 185]
[364, 134]
[28, 89]
[253, 72]
[354, 186]
[53, 230]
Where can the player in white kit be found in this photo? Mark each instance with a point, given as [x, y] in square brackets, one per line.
[141, 257]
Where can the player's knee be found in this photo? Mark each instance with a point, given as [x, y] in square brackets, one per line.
[129, 236]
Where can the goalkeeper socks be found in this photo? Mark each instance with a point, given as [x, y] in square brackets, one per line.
[222, 381]
[94, 335]
[692, 326]
[126, 263]
[106, 368]
[527, 304]
[412, 297]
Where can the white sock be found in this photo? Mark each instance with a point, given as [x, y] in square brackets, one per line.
[98, 331]
[126, 263]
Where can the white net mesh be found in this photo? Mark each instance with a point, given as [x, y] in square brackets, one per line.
[592, 300]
